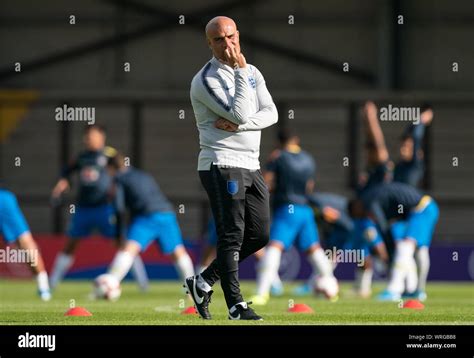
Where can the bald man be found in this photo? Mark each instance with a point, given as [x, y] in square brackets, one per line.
[232, 105]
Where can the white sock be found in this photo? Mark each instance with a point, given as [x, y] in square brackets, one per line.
[277, 280]
[320, 263]
[61, 266]
[202, 284]
[423, 263]
[363, 282]
[403, 268]
[121, 264]
[184, 266]
[270, 263]
[200, 269]
[411, 282]
[42, 281]
[139, 272]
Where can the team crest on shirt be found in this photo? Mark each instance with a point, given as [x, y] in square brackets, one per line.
[370, 234]
[232, 187]
[89, 175]
[252, 82]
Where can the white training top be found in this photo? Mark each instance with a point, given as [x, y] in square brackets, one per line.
[240, 96]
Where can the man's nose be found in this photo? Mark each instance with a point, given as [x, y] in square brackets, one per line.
[228, 43]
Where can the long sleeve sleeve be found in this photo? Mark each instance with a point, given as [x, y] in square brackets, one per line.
[211, 92]
[379, 217]
[69, 169]
[418, 133]
[267, 114]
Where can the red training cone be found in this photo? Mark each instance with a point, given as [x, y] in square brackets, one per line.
[189, 310]
[414, 304]
[300, 308]
[78, 311]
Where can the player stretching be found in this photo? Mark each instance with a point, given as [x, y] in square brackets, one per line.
[152, 218]
[410, 167]
[409, 170]
[14, 228]
[341, 232]
[94, 208]
[397, 201]
[232, 105]
[379, 167]
[290, 177]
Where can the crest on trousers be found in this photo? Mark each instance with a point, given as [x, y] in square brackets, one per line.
[232, 187]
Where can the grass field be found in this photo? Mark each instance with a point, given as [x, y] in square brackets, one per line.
[447, 304]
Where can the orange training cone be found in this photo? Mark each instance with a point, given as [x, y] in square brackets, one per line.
[189, 310]
[300, 308]
[414, 304]
[78, 311]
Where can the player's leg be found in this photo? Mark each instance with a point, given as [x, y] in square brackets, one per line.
[81, 225]
[26, 242]
[257, 217]
[308, 241]
[209, 254]
[106, 221]
[63, 261]
[141, 232]
[171, 243]
[182, 262]
[419, 230]
[422, 257]
[363, 277]
[256, 235]
[283, 232]
[124, 259]
[139, 273]
[362, 234]
[14, 227]
[403, 263]
[228, 207]
[403, 274]
[276, 288]
[422, 229]
[268, 269]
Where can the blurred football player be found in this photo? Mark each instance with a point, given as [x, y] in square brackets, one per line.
[94, 208]
[15, 229]
[152, 219]
[340, 231]
[290, 178]
[379, 167]
[409, 170]
[410, 167]
[397, 201]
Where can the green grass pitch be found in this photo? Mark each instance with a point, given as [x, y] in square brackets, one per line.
[447, 304]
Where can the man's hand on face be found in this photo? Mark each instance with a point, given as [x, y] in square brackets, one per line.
[234, 58]
[226, 125]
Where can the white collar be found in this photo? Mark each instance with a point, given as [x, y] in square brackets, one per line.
[219, 64]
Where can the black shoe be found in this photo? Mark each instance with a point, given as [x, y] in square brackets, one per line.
[242, 311]
[201, 299]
